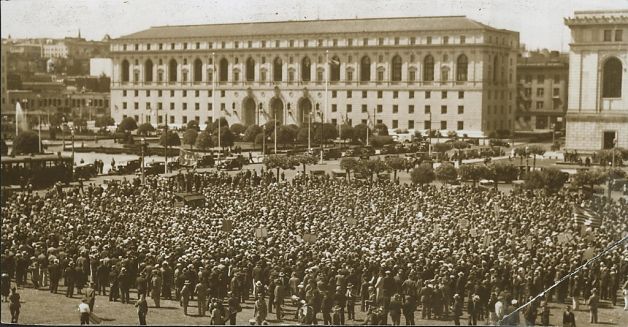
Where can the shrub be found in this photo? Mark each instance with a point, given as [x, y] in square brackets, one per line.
[424, 174]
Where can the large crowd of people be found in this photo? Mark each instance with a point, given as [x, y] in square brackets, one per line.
[329, 247]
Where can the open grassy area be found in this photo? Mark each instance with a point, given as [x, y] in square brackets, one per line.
[42, 307]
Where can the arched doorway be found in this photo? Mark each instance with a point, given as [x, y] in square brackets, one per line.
[248, 117]
[276, 110]
[304, 111]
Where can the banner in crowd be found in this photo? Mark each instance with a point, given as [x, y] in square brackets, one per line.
[261, 232]
[227, 225]
[587, 217]
[187, 158]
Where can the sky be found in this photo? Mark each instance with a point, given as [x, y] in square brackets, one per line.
[539, 22]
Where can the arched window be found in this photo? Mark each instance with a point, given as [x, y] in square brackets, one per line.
[198, 70]
[148, 71]
[396, 69]
[277, 70]
[365, 69]
[172, 70]
[250, 69]
[224, 70]
[611, 80]
[461, 68]
[306, 69]
[428, 68]
[124, 70]
[334, 67]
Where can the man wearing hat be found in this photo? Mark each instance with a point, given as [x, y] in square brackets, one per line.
[233, 307]
[593, 304]
[201, 294]
[70, 279]
[185, 296]
[351, 297]
[279, 295]
[457, 309]
[90, 295]
[156, 284]
[124, 284]
[426, 301]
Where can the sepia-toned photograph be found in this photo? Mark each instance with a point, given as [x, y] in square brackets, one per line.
[329, 162]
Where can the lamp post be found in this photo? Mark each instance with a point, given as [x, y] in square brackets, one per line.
[309, 131]
[264, 142]
[527, 159]
[72, 131]
[142, 145]
[429, 134]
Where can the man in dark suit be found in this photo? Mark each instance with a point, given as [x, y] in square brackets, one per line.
[70, 279]
[593, 304]
[426, 301]
[279, 293]
[569, 320]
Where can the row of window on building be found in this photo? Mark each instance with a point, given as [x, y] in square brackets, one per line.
[608, 35]
[540, 78]
[56, 102]
[334, 94]
[540, 92]
[462, 39]
[462, 64]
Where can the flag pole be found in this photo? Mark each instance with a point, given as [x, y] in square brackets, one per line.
[39, 133]
[327, 67]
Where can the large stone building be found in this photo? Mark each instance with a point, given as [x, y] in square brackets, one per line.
[598, 80]
[542, 91]
[446, 73]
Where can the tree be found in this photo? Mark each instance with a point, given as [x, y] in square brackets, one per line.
[381, 129]
[424, 174]
[550, 179]
[204, 140]
[503, 172]
[396, 163]
[127, 124]
[442, 147]
[26, 143]
[588, 178]
[189, 136]
[214, 125]
[238, 129]
[251, 132]
[370, 167]
[193, 124]
[285, 135]
[226, 137]
[379, 140]
[348, 164]
[434, 133]
[359, 132]
[278, 162]
[103, 121]
[473, 173]
[145, 128]
[79, 124]
[171, 138]
[330, 131]
[446, 172]
[452, 134]
[346, 132]
[304, 159]
[606, 156]
[459, 145]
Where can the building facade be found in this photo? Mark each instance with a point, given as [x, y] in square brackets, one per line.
[597, 112]
[542, 91]
[444, 73]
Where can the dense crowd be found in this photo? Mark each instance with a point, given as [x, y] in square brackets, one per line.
[329, 247]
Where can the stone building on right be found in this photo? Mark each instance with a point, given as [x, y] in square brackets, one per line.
[597, 112]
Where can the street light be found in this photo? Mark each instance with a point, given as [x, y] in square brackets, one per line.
[429, 134]
[142, 145]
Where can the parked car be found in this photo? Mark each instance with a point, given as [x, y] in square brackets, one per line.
[206, 161]
[85, 171]
[230, 163]
[125, 168]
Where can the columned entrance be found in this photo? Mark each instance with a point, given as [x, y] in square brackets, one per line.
[304, 111]
[248, 116]
[276, 110]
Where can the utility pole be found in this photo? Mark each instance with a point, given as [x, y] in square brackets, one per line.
[309, 131]
[275, 129]
[166, 143]
[214, 100]
[142, 145]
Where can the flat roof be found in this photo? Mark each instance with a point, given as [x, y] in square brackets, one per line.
[332, 26]
[46, 156]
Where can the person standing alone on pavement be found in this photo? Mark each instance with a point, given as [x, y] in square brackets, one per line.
[84, 311]
[142, 309]
[15, 305]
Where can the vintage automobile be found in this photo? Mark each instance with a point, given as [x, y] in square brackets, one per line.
[230, 163]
